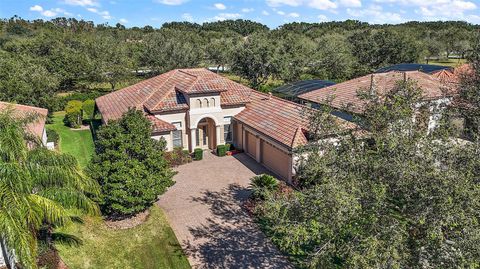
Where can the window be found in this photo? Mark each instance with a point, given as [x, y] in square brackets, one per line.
[177, 135]
[212, 100]
[227, 133]
[206, 102]
[199, 103]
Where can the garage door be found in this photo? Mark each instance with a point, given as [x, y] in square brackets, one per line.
[276, 160]
[251, 145]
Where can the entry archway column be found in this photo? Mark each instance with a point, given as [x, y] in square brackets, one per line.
[193, 138]
[217, 136]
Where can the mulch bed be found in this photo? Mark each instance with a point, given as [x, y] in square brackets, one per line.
[128, 222]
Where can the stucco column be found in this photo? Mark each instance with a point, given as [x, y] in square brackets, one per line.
[193, 138]
[217, 137]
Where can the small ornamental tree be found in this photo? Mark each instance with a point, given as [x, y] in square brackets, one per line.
[73, 114]
[129, 165]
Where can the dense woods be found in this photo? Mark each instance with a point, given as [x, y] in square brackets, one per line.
[40, 59]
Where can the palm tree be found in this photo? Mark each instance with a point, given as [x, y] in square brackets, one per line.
[38, 187]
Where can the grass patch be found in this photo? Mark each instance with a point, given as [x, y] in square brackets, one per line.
[447, 62]
[149, 245]
[78, 143]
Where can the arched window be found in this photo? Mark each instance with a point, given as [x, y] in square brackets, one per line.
[206, 102]
[212, 101]
[199, 103]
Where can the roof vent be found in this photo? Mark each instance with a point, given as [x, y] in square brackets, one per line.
[269, 95]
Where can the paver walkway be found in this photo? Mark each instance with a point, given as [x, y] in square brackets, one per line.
[204, 210]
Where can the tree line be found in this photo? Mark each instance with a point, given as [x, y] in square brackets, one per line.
[43, 58]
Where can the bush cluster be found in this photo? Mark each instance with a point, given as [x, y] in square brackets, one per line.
[178, 156]
[262, 185]
[52, 136]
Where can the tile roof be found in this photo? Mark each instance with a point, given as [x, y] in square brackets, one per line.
[159, 125]
[166, 92]
[36, 127]
[344, 95]
[275, 117]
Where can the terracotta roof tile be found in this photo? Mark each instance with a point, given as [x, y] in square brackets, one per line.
[166, 92]
[37, 127]
[159, 125]
[344, 95]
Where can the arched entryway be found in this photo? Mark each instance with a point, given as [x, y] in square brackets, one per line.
[206, 134]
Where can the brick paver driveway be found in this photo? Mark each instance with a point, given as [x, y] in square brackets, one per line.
[204, 210]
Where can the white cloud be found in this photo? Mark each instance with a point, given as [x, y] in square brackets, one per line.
[187, 17]
[281, 13]
[293, 15]
[220, 6]
[277, 3]
[83, 3]
[438, 9]
[171, 2]
[265, 13]
[322, 17]
[322, 4]
[247, 10]
[375, 14]
[105, 14]
[122, 20]
[226, 16]
[351, 3]
[36, 8]
[51, 12]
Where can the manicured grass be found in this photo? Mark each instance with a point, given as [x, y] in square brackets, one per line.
[149, 245]
[447, 62]
[78, 143]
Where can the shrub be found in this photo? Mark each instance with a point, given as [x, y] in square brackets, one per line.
[221, 150]
[88, 107]
[73, 114]
[52, 136]
[228, 147]
[129, 166]
[262, 185]
[178, 156]
[198, 154]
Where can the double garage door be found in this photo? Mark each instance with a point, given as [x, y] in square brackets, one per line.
[271, 157]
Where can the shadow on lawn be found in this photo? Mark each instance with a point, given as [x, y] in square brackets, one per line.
[231, 239]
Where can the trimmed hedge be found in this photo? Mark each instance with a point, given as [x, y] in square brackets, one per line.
[88, 107]
[221, 150]
[52, 136]
[198, 154]
[73, 114]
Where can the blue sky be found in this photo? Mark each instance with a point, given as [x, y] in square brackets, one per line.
[269, 12]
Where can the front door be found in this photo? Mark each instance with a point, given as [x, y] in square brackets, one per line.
[202, 136]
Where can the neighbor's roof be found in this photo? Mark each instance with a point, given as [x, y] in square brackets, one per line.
[166, 92]
[426, 68]
[302, 86]
[454, 76]
[21, 111]
[344, 95]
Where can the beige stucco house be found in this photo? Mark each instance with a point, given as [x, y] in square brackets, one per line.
[196, 108]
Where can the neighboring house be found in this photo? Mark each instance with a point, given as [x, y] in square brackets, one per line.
[343, 97]
[291, 91]
[196, 108]
[36, 128]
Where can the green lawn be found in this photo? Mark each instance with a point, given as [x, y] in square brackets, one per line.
[149, 245]
[447, 62]
[79, 143]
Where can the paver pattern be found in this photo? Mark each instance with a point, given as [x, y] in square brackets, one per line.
[204, 208]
